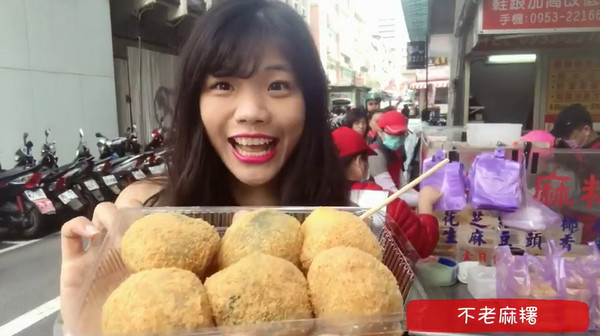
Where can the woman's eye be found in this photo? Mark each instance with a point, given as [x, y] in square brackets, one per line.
[279, 86]
[222, 86]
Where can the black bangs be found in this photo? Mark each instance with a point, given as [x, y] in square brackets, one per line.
[241, 46]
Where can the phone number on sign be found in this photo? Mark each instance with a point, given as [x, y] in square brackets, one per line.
[570, 16]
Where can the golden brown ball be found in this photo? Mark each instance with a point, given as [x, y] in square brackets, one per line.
[258, 288]
[346, 281]
[325, 228]
[169, 240]
[157, 301]
[266, 231]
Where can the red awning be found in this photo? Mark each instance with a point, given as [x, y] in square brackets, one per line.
[435, 83]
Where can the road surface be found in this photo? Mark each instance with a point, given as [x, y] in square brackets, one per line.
[29, 286]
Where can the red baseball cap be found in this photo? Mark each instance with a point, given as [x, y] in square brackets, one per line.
[393, 123]
[349, 142]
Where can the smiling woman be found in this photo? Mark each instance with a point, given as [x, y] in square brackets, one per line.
[249, 128]
[251, 113]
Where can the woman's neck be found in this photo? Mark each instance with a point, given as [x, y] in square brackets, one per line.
[245, 195]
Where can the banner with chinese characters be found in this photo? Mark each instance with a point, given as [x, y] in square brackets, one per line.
[573, 80]
[566, 182]
[530, 16]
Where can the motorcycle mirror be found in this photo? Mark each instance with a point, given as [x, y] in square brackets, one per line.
[81, 133]
[99, 135]
[29, 144]
[47, 132]
[134, 127]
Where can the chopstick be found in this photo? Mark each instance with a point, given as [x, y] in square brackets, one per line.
[404, 189]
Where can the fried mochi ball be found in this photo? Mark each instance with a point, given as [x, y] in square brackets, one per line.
[267, 231]
[169, 240]
[325, 228]
[345, 281]
[157, 301]
[258, 288]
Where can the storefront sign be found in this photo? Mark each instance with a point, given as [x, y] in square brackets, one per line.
[528, 16]
[417, 55]
[548, 41]
[573, 80]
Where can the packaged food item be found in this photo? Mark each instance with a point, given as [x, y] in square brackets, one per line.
[111, 276]
[495, 182]
[450, 180]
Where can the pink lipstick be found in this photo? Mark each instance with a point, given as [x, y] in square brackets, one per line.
[253, 148]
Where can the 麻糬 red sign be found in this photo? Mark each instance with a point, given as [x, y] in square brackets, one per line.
[514, 16]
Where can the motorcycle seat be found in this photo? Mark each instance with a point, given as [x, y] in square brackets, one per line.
[11, 174]
[102, 161]
[120, 160]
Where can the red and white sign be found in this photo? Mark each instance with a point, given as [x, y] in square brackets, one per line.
[518, 16]
[497, 315]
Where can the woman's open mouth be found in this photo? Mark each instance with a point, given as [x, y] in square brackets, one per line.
[253, 148]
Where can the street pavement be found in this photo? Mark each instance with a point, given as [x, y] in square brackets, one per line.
[29, 286]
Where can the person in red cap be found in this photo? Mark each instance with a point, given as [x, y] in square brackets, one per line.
[387, 166]
[422, 230]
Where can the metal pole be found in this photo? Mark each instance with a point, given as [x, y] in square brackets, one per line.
[427, 55]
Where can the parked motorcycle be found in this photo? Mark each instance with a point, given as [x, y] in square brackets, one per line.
[25, 208]
[23, 157]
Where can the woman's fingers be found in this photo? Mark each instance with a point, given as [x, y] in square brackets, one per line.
[71, 234]
[105, 215]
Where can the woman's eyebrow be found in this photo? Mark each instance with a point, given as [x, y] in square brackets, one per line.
[276, 67]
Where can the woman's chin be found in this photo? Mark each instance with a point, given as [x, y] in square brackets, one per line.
[253, 180]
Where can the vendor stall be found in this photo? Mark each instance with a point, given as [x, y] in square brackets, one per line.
[567, 228]
[527, 60]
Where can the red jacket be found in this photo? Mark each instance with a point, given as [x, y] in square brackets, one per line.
[421, 230]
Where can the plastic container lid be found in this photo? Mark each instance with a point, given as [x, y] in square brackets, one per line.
[441, 272]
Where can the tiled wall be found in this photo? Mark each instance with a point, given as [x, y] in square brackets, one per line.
[56, 71]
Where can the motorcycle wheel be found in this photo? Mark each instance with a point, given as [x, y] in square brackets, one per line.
[35, 220]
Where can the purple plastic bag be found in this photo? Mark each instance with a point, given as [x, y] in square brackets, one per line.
[532, 215]
[495, 183]
[512, 275]
[450, 180]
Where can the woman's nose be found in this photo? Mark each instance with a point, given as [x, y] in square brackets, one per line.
[251, 110]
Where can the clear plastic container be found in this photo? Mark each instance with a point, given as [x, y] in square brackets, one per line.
[109, 271]
[481, 282]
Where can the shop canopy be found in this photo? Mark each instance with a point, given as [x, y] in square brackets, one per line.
[421, 85]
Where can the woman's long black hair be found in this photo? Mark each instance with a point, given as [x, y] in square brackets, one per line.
[229, 40]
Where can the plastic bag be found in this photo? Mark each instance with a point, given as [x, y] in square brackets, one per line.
[512, 275]
[589, 269]
[450, 180]
[532, 215]
[523, 276]
[495, 183]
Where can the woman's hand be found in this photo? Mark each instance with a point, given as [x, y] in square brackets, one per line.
[76, 261]
[428, 196]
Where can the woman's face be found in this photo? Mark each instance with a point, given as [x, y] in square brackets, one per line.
[358, 169]
[580, 137]
[360, 126]
[254, 124]
[374, 121]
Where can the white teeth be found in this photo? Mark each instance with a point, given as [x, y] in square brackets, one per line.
[252, 141]
[245, 153]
